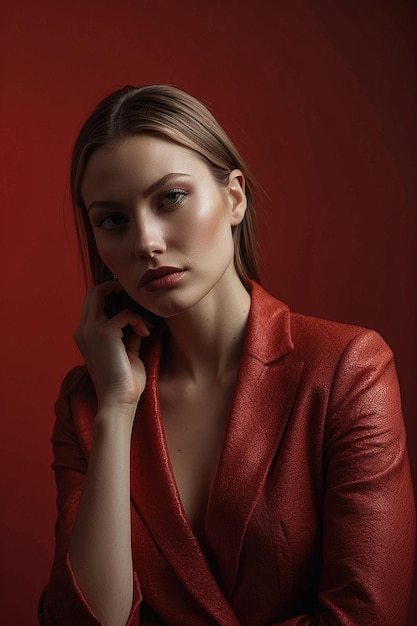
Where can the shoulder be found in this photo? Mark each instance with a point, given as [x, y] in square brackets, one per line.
[76, 384]
[333, 339]
[352, 365]
[310, 338]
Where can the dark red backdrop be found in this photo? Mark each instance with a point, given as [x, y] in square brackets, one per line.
[319, 95]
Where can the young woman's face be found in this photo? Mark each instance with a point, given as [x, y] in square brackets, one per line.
[162, 223]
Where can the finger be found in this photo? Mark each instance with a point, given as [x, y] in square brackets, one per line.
[127, 317]
[94, 300]
[134, 341]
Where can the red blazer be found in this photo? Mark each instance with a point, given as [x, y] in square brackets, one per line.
[311, 518]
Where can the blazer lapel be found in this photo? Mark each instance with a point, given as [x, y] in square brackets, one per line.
[263, 402]
[264, 396]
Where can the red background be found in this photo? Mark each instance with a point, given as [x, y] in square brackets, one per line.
[320, 96]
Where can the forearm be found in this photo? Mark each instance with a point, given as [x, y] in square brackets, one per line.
[101, 554]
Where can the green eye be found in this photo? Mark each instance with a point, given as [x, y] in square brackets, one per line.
[173, 198]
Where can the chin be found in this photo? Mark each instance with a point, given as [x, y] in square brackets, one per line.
[171, 305]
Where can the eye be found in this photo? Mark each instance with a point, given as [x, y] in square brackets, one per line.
[172, 198]
[112, 222]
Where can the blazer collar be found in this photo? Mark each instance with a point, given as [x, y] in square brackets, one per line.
[264, 395]
[268, 334]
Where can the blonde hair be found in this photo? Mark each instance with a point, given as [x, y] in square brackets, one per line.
[173, 114]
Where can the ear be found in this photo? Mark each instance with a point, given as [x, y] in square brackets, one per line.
[237, 197]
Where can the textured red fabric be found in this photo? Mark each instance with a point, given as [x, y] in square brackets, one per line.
[311, 518]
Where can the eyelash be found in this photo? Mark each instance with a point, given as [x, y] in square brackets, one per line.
[182, 193]
[179, 192]
[101, 223]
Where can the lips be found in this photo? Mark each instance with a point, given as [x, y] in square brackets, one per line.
[160, 278]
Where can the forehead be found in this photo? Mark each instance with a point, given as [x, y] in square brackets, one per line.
[140, 158]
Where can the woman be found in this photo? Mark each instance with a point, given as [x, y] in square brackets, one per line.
[221, 461]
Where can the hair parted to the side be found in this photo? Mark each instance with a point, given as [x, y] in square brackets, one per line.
[175, 115]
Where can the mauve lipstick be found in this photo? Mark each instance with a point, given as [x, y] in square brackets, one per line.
[159, 278]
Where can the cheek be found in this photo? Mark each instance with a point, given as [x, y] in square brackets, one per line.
[208, 229]
[110, 253]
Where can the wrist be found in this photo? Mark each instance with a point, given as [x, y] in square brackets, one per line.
[109, 403]
[115, 417]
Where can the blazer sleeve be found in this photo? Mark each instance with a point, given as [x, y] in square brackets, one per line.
[62, 603]
[369, 512]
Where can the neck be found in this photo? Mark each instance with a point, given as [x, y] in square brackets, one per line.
[206, 342]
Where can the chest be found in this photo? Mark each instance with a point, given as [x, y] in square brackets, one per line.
[195, 422]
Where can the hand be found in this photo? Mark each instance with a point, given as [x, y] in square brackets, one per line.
[118, 374]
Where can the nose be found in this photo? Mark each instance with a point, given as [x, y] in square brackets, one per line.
[149, 237]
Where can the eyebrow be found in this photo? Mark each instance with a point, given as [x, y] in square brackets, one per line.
[114, 204]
